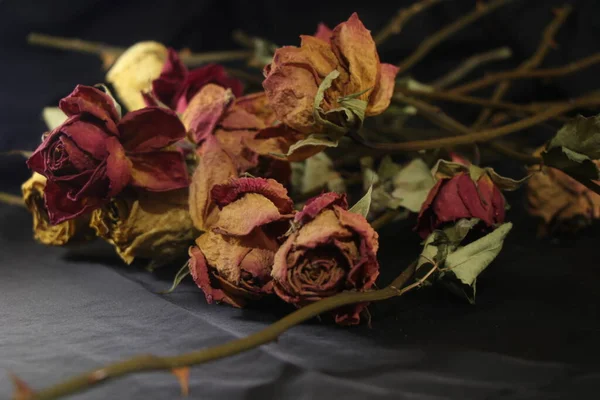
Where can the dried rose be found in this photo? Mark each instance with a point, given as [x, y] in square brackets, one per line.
[133, 72]
[94, 154]
[560, 201]
[463, 192]
[245, 127]
[176, 86]
[53, 235]
[147, 225]
[232, 262]
[331, 250]
[346, 67]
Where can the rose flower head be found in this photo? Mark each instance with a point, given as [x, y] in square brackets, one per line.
[176, 85]
[70, 231]
[331, 82]
[245, 126]
[232, 261]
[154, 226]
[329, 250]
[562, 203]
[463, 191]
[95, 154]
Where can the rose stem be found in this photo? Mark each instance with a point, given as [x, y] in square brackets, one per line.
[480, 136]
[524, 74]
[457, 98]
[457, 128]
[269, 334]
[395, 25]
[11, 199]
[469, 65]
[432, 41]
[536, 59]
[113, 52]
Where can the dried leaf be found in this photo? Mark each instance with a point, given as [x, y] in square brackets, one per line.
[317, 172]
[310, 146]
[53, 117]
[181, 274]
[577, 165]
[466, 263]
[183, 377]
[22, 390]
[581, 135]
[363, 205]
[412, 185]
[504, 183]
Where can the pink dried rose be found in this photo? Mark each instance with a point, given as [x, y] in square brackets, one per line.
[176, 85]
[461, 195]
[331, 250]
[232, 261]
[246, 127]
[296, 73]
[94, 154]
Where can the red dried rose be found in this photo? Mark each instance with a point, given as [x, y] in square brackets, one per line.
[461, 196]
[176, 85]
[331, 250]
[232, 262]
[94, 154]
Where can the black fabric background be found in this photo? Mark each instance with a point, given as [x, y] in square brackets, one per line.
[532, 334]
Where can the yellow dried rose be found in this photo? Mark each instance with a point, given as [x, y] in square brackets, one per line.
[134, 71]
[328, 85]
[147, 225]
[76, 229]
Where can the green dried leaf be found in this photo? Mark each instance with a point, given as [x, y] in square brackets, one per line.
[364, 204]
[448, 168]
[504, 183]
[463, 265]
[181, 274]
[581, 135]
[412, 184]
[459, 230]
[575, 164]
[312, 140]
[53, 117]
[388, 168]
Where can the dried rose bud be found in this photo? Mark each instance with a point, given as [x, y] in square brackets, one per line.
[560, 201]
[331, 250]
[176, 85]
[293, 78]
[95, 154]
[462, 195]
[133, 72]
[232, 262]
[144, 225]
[74, 230]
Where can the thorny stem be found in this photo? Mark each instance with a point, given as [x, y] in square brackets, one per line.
[269, 334]
[432, 41]
[479, 136]
[470, 64]
[533, 62]
[112, 52]
[396, 24]
[525, 74]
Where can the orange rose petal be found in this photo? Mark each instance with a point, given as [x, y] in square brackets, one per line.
[242, 216]
[381, 95]
[216, 167]
[355, 48]
[322, 229]
[223, 253]
[205, 110]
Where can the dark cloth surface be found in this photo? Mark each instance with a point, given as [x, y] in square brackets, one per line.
[532, 334]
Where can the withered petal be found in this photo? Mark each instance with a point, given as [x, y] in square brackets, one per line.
[150, 129]
[159, 171]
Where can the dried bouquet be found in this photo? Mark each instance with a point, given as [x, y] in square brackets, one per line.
[278, 192]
